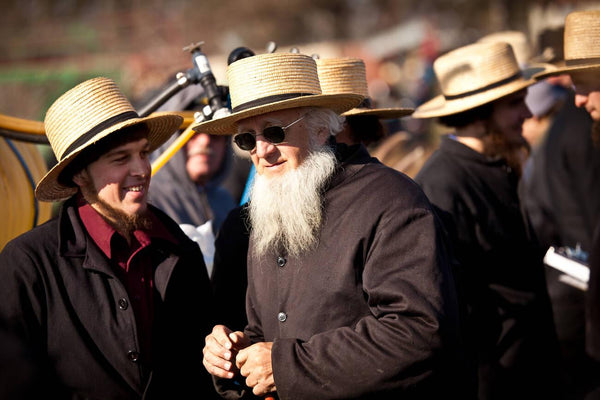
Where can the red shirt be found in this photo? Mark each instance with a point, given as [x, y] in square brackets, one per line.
[133, 265]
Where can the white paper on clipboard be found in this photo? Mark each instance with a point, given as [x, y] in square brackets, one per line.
[572, 268]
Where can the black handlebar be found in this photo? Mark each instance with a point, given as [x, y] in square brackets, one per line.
[201, 74]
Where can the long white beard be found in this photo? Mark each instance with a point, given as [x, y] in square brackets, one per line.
[286, 211]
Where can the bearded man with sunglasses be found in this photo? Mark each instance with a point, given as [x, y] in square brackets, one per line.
[350, 292]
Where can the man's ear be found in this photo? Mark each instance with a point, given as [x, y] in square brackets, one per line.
[80, 177]
[323, 134]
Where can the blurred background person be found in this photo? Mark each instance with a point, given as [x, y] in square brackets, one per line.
[581, 54]
[471, 179]
[363, 124]
[192, 186]
[560, 192]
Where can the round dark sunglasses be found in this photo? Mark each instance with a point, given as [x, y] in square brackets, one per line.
[272, 134]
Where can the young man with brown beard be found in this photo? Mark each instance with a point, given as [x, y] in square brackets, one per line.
[582, 63]
[472, 182]
[111, 295]
[350, 293]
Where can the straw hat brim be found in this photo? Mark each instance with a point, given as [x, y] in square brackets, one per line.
[227, 125]
[567, 70]
[439, 106]
[381, 113]
[161, 126]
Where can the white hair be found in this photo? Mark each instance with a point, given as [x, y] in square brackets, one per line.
[319, 119]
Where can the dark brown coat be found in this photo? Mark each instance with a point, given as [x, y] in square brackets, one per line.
[62, 298]
[371, 312]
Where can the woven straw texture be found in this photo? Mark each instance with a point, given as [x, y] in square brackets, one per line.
[271, 74]
[79, 110]
[343, 75]
[582, 44]
[349, 75]
[516, 39]
[258, 80]
[474, 75]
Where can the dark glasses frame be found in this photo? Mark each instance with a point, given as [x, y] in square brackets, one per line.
[272, 134]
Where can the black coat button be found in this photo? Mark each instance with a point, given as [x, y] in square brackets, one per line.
[281, 317]
[133, 356]
[281, 261]
[123, 304]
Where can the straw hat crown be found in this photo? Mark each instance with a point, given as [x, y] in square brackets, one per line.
[582, 37]
[581, 43]
[474, 75]
[85, 114]
[475, 67]
[518, 41]
[271, 82]
[349, 75]
[343, 75]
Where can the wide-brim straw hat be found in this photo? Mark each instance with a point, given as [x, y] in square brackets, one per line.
[518, 41]
[475, 75]
[85, 114]
[349, 75]
[581, 44]
[270, 82]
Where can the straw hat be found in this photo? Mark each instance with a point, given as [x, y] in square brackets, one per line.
[349, 75]
[516, 39]
[85, 114]
[581, 44]
[474, 75]
[271, 82]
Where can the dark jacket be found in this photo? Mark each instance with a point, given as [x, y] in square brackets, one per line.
[62, 298]
[561, 183]
[229, 278]
[371, 312]
[510, 324]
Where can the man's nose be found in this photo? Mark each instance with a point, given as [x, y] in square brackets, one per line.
[140, 167]
[263, 147]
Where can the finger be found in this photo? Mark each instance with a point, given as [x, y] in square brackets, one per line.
[219, 361]
[241, 359]
[214, 347]
[262, 389]
[236, 337]
[258, 390]
[221, 334]
[216, 370]
[239, 340]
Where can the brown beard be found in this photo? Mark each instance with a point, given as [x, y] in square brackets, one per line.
[123, 223]
[515, 153]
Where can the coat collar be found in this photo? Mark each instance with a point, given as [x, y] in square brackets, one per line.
[453, 146]
[351, 160]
